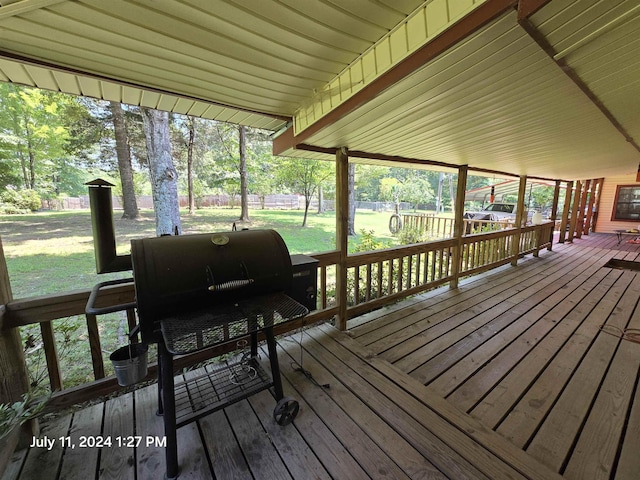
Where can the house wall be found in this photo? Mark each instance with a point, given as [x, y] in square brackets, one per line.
[607, 200]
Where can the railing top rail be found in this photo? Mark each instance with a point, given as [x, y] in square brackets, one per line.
[363, 258]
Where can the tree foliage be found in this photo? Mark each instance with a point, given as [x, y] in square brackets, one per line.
[303, 177]
[41, 140]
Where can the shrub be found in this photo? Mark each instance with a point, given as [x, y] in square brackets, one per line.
[20, 200]
[411, 235]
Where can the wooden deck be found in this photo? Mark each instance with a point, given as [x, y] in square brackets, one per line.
[520, 383]
[522, 351]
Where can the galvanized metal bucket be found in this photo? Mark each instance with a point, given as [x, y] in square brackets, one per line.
[130, 363]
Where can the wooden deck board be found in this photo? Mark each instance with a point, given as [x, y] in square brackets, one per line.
[452, 364]
[81, 462]
[547, 308]
[442, 415]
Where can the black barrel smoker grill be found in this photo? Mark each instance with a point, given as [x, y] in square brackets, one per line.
[197, 291]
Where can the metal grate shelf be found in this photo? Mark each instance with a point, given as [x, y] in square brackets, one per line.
[217, 389]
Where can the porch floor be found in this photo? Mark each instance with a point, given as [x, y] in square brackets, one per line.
[533, 353]
[520, 383]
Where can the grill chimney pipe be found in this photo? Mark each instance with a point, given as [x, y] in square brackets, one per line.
[104, 238]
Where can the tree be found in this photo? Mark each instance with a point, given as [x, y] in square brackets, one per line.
[123, 153]
[303, 176]
[36, 125]
[164, 177]
[415, 189]
[242, 170]
[191, 122]
[351, 229]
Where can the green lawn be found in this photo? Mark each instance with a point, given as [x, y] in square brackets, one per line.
[52, 252]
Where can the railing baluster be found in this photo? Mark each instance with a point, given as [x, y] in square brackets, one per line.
[51, 355]
[368, 290]
[356, 285]
[132, 321]
[323, 286]
[94, 346]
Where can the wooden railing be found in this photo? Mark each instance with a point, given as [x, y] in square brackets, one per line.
[442, 227]
[374, 279]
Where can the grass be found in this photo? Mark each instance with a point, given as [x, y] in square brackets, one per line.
[52, 252]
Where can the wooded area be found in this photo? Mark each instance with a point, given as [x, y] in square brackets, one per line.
[52, 143]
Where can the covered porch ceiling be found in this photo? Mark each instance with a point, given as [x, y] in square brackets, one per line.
[549, 89]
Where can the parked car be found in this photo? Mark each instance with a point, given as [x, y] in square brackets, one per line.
[495, 212]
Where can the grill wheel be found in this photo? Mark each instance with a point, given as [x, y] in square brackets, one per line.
[286, 411]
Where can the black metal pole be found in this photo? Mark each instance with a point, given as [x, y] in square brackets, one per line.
[273, 361]
[169, 407]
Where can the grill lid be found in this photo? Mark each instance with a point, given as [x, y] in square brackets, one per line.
[177, 274]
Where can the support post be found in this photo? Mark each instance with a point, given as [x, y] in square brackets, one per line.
[458, 225]
[515, 246]
[581, 209]
[565, 213]
[14, 378]
[574, 210]
[342, 231]
[596, 203]
[589, 207]
[554, 212]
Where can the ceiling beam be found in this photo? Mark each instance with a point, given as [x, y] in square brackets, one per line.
[480, 17]
[413, 161]
[526, 8]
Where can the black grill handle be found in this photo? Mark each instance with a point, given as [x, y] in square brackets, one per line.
[91, 309]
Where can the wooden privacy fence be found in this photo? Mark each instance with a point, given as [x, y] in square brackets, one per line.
[373, 279]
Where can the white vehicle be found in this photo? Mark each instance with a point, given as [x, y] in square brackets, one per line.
[495, 212]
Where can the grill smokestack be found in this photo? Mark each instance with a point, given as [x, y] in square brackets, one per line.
[104, 238]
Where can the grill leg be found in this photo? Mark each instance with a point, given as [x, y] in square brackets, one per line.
[273, 361]
[169, 404]
[160, 410]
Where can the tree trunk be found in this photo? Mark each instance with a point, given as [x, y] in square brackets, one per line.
[351, 229]
[123, 153]
[320, 200]
[32, 164]
[244, 188]
[439, 208]
[451, 195]
[192, 138]
[307, 202]
[164, 178]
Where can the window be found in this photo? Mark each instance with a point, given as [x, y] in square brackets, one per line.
[627, 205]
